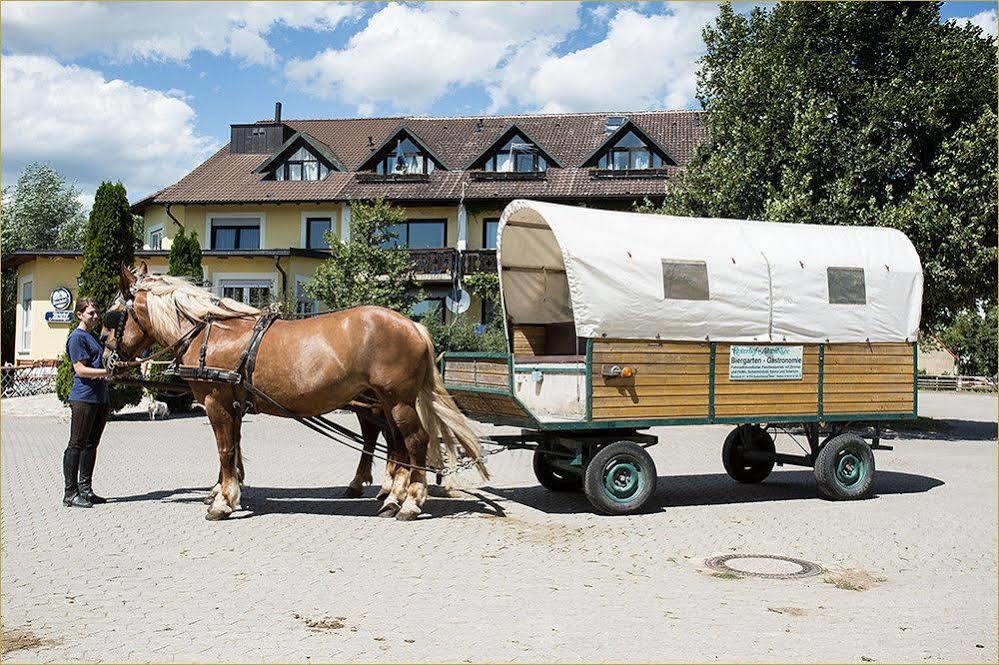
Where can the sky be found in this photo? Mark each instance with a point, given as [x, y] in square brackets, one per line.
[144, 92]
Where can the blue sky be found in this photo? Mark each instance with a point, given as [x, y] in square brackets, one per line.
[143, 92]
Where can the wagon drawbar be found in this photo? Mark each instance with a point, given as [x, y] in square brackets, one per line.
[618, 322]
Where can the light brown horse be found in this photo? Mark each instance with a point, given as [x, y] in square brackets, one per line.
[310, 367]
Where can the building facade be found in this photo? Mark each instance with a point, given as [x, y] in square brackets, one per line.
[263, 204]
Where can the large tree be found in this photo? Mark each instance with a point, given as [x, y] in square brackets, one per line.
[366, 270]
[856, 113]
[41, 211]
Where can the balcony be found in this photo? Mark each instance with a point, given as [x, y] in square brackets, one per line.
[434, 264]
[479, 260]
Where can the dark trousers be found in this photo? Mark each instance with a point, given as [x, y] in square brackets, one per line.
[85, 432]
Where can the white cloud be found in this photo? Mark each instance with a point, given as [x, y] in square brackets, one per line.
[985, 20]
[645, 62]
[409, 56]
[162, 31]
[90, 128]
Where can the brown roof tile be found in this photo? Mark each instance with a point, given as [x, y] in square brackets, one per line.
[569, 138]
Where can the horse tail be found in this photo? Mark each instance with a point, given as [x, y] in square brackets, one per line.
[442, 419]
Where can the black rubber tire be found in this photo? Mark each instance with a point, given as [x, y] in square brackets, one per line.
[555, 480]
[627, 455]
[857, 458]
[756, 438]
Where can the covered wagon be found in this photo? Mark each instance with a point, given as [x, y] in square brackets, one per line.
[618, 322]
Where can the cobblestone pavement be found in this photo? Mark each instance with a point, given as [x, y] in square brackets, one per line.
[505, 572]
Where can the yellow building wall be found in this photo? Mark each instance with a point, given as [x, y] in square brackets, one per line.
[476, 220]
[48, 340]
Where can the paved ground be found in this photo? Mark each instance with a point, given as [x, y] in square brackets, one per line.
[507, 572]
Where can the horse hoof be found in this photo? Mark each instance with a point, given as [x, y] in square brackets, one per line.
[215, 517]
[382, 494]
[389, 509]
[208, 500]
[352, 493]
[407, 515]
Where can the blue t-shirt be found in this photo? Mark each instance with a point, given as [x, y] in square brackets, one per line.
[82, 347]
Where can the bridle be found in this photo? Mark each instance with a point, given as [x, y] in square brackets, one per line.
[116, 320]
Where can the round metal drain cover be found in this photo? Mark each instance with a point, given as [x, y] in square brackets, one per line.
[768, 566]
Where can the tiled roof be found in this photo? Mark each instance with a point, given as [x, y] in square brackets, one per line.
[570, 138]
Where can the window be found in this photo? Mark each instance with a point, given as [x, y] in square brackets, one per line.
[316, 229]
[235, 233]
[429, 307]
[630, 152]
[846, 286]
[490, 227]
[404, 158]
[518, 155]
[302, 165]
[253, 292]
[156, 237]
[419, 234]
[26, 290]
[685, 280]
[304, 305]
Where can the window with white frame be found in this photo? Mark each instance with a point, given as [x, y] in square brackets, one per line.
[404, 157]
[630, 152]
[301, 165]
[26, 290]
[235, 232]
[304, 304]
[253, 292]
[518, 155]
[156, 237]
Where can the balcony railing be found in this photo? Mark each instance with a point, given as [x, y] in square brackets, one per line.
[438, 261]
[479, 260]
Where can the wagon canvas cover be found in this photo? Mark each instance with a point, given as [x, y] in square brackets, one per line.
[610, 272]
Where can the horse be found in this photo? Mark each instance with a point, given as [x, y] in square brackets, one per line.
[308, 366]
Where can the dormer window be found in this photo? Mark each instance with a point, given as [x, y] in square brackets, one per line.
[629, 153]
[301, 165]
[404, 158]
[518, 155]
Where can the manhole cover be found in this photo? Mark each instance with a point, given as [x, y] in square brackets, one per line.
[769, 566]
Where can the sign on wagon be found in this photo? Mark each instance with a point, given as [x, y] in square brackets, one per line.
[764, 363]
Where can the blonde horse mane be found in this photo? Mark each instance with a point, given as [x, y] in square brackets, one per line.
[167, 296]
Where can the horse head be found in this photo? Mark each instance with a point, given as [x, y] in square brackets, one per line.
[126, 323]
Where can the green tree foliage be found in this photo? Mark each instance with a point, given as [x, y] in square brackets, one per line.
[975, 340]
[185, 257]
[364, 271]
[856, 113]
[108, 243]
[464, 333]
[41, 211]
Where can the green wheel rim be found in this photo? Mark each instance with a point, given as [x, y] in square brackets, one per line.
[850, 469]
[623, 479]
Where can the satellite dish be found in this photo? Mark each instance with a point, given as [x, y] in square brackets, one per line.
[458, 301]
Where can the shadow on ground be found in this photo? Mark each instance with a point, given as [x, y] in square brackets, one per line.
[258, 501]
[710, 489]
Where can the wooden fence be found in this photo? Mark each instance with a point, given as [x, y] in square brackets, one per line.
[958, 383]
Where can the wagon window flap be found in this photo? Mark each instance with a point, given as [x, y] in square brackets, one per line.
[846, 286]
[685, 280]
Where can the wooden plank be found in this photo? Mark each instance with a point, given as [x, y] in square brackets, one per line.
[868, 407]
[646, 413]
[648, 391]
[653, 379]
[867, 360]
[872, 397]
[529, 340]
[649, 346]
[651, 401]
[653, 371]
[640, 368]
[767, 403]
[864, 379]
[864, 347]
[878, 387]
[638, 358]
[754, 411]
[750, 389]
[867, 370]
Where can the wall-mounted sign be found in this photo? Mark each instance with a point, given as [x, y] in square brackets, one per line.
[764, 363]
[62, 316]
[61, 298]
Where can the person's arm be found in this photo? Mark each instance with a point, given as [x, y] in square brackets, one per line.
[85, 372]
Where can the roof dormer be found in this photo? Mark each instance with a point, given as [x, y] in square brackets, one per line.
[628, 151]
[514, 154]
[300, 158]
[402, 156]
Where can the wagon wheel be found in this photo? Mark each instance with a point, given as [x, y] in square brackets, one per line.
[740, 440]
[551, 478]
[620, 478]
[844, 468]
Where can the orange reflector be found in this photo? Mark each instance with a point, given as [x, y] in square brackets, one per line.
[627, 372]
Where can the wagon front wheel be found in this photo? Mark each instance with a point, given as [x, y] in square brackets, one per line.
[551, 477]
[844, 468]
[748, 439]
[620, 478]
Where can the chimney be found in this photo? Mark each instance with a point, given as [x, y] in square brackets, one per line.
[277, 111]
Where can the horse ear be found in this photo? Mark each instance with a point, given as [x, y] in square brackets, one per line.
[125, 281]
[143, 269]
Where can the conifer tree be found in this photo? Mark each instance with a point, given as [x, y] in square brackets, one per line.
[185, 257]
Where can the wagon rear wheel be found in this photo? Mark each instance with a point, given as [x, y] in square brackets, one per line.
[620, 478]
[550, 477]
[741, 440]
[844, 468]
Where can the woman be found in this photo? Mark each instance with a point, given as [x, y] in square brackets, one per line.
[89, 402]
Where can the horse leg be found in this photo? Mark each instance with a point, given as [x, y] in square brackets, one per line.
[362, 477]
[415, 439]
[392, 440]
[213, 492]
[226, 423]
[396, 473]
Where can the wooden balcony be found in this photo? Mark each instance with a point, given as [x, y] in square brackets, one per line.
[479, 260]
[436, 263]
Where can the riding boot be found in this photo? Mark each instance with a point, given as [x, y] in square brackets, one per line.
[88, 458]
[70, 467]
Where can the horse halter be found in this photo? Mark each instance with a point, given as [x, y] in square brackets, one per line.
[115, 320]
